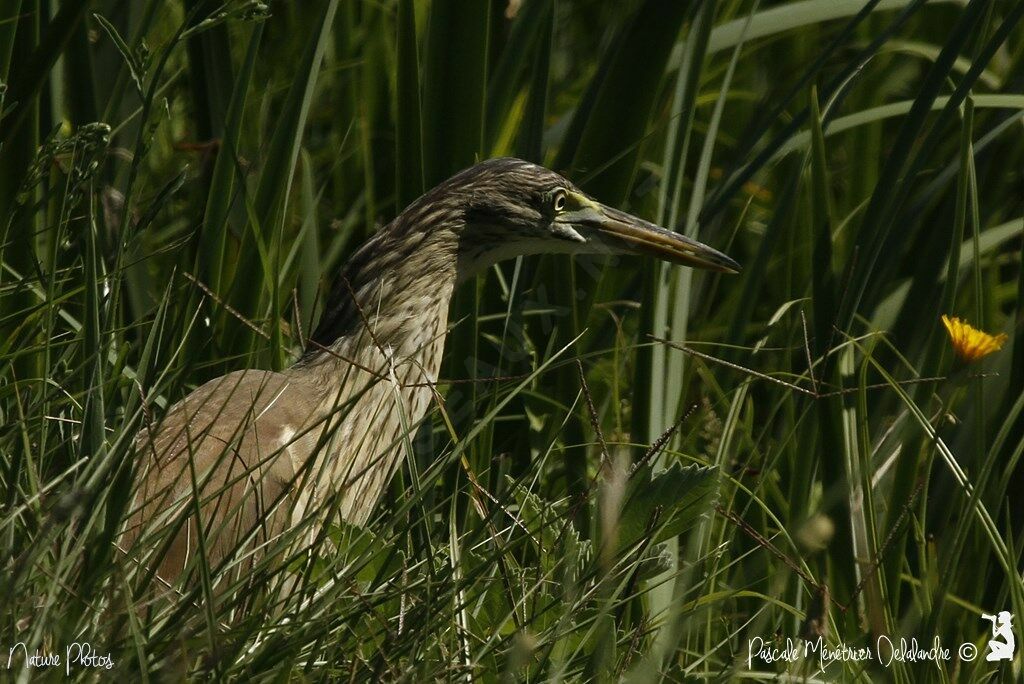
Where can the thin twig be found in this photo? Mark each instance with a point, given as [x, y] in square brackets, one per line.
[594, 422]
[334, 353]
[766, 544]
[807, 350]
[298, 316]
[658, 444]
[796, 388]
[227, 307]
[873, 568]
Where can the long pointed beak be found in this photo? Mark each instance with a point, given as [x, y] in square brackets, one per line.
[643, 237]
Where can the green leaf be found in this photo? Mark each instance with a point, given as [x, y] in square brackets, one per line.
[213, 241]
[893, 109]
[906, 154]
[792, 15]
[363, 553]
[274, 188]
[531, 135]
[530, 35]
[454, 87]
[626, 91]
[408, 121]
[30, 75]
[135, 69]
[549, 527]
[671, 502]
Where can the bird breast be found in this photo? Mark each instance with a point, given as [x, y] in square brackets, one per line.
[266, 451]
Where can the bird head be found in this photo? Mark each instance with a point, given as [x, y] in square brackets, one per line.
[510, 208]
[495, 210]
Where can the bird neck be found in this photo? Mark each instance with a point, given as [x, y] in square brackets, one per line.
[393, 293]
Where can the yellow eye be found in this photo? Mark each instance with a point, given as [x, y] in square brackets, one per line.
[558, 200]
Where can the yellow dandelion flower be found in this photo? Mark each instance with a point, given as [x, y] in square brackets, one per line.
[969, 343]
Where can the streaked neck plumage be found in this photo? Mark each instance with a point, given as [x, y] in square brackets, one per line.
[378, 349]
[400, 277]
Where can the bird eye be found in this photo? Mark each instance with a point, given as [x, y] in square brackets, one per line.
[558, 200]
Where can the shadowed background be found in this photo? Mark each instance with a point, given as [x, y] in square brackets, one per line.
[179, 182]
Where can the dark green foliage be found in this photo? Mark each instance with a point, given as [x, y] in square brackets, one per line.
[180, 181]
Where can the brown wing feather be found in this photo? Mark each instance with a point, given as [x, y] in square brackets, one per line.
[239, 431]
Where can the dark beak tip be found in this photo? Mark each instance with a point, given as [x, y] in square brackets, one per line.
[722, 263]
[731, 267]
[668, 245]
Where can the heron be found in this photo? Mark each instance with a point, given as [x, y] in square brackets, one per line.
[245, 457]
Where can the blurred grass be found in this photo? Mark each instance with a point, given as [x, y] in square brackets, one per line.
[175, 177]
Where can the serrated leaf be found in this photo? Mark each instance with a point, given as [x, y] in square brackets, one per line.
[672, 502]
[364, 553]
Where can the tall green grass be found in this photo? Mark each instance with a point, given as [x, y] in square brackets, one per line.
[635, 469]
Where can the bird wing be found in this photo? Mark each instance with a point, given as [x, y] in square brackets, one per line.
[236, 441]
